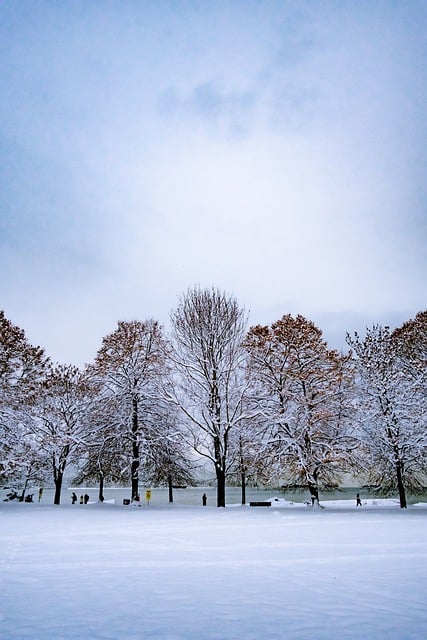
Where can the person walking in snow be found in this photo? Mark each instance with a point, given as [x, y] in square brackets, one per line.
[358, 500]
[73, 498]
[204, 499]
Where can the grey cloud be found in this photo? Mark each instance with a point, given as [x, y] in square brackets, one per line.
[230, 110]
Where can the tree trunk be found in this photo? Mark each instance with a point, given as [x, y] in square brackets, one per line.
[134, 474]
[243, 487]
[220, 473]
[22, 497]
[134, 470]
[170, 488]
[58, 486]
[101, 488]
[58, 472]
[220, 487]
[401, 486]
[242, 470]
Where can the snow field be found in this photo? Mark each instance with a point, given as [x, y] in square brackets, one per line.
[109, 572]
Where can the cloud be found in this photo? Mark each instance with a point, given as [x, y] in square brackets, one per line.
[274, 150]
[229, 111]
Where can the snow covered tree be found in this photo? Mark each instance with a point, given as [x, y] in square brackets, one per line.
[129, 366]
[28, 464]
[22, 366]
[208, 329]
[167, 460]
[411, 344]
[247, 459]
[102, 452]
[56, 418]
[246, 464]
[392, 408]
[302, 389]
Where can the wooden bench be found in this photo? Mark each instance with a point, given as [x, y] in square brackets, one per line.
[260, 504]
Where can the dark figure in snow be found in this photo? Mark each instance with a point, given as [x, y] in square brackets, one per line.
[86, 498]
[204, 499]
[40, 493]
[73, 498]
[358, 500]
[81, 499]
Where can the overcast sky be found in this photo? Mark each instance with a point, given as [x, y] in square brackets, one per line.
[275, 150]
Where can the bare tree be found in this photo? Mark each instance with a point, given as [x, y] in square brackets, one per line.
[208, 329]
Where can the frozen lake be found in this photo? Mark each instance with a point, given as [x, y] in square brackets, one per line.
[193, 495]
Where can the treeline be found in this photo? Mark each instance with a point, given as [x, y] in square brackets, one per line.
[271, 404]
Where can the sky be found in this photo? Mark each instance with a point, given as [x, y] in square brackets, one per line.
[274, 150]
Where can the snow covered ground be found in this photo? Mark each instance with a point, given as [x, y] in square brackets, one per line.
[175, 572]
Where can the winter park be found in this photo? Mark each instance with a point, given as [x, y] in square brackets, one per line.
[213, 322]
[272, 406]
[107, 571]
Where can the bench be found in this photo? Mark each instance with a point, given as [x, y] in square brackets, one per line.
[260, 504]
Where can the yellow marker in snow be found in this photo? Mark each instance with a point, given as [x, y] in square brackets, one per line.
[148, 496]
